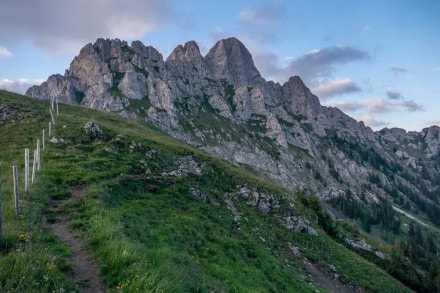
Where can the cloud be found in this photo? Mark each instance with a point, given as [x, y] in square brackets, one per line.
[378, 106]
[332, 87]
[384, 106]
[58, 25]
[4, 52]
[267, 64]
[433, 122]
[371, 121]
[263, 24]
[313, 67]
[17, 86]
[399, 100]
[435, 69]
[394, 94]
[348, 106]
[398, 68]
[269, 14]
[411, 106]
[321, 62]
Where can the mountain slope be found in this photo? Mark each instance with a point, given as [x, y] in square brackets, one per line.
[220, 103]
[159, 215]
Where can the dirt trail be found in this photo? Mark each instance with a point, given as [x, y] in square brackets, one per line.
[412, 217]
[84, 270]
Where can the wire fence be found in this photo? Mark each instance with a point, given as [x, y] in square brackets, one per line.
[29, 179]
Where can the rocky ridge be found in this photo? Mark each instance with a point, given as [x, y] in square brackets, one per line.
[220, 103]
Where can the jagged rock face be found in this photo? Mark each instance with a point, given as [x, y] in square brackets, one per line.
[133, 85]
[58, 87]
[186, 69]
[221, 104]
[229, 59]
[300, 99]
[432, 140]
[188, 55]
[427, 140]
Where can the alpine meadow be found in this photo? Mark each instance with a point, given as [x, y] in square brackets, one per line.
[195, 174]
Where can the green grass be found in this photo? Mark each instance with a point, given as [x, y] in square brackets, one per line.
[145, 229]
[229, 94]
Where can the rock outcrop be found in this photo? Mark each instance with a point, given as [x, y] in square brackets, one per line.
[229, 59]
[221, 104]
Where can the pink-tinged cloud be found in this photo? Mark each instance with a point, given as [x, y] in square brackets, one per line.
[17, 86]
[377, 106]
[381, 105]
[60, 25]
[371, 121]
[434, 122]
[348, 106]
[331, 87]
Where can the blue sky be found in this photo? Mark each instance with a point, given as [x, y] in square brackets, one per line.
[378, 61]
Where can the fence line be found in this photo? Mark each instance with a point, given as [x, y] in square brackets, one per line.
[36, 166]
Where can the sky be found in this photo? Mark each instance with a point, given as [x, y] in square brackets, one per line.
[378, 61]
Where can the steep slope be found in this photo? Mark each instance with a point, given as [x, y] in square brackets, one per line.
[159, 215]
[221, 104]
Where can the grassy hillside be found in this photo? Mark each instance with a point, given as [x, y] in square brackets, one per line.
[156, 215]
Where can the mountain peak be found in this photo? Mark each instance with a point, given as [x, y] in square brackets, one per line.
[297, 81]
[231, 60]
[299, 96]
[107, 48]
[189, 52]
[231, 42]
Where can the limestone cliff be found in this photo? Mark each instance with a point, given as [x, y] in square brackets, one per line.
[220, 103]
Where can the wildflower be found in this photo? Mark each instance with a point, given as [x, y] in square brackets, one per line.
[51, 265]
[24, 237]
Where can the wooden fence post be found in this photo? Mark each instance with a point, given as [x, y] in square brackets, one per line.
[51, 116]
[57, 108]
[16, 194]
[34, 167]
[38, 156]
[43, 138]
[1, 216]
[26, 170]
[50, 129]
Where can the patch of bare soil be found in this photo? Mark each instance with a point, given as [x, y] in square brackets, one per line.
[329, 279]
[85, 272]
